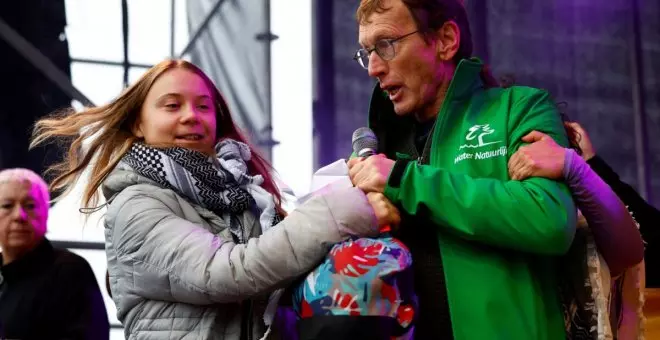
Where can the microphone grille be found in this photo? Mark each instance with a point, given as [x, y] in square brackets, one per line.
[364, 138]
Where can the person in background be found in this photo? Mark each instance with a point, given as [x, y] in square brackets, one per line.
[45, 293]
[620, 246]
[614, 229]
[626, 305]
[608, 225]
[196, 240]
[647, 216]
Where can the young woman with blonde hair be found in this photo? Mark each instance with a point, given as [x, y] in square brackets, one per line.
[195, 236]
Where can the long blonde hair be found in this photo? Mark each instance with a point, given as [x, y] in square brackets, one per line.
[107, 129]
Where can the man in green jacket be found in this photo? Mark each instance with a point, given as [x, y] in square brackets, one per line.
[484, 246]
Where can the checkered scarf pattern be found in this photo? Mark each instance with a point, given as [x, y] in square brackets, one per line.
[220, 184]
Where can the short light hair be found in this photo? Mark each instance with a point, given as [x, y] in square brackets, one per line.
[26, 175]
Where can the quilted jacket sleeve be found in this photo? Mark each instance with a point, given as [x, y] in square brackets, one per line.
[173, 259]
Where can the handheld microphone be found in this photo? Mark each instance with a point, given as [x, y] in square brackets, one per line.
[365, 144]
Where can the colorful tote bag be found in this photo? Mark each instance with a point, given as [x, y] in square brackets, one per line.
[363, 289]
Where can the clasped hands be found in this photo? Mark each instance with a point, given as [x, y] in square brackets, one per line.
[370, 174]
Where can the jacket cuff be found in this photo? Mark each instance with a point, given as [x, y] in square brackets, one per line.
[396, 175]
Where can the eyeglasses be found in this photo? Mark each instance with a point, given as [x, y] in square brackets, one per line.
[384, 48]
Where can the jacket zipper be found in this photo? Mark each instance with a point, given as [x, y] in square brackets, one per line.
[246, 309]
[423, 157]
[438, 124]
[250, 320]
[246, 320]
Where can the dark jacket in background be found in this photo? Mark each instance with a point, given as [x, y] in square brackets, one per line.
[51, 294]
[646, 215]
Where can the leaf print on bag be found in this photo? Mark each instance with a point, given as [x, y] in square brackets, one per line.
[346, 302]
[353, 260]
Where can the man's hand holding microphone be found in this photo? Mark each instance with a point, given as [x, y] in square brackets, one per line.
[369, 171]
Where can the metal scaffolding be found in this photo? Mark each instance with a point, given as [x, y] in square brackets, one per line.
[42, 63]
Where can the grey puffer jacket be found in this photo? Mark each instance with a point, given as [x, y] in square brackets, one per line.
[175, 272]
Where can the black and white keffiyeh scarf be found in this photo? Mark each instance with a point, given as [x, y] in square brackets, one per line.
[221, 184]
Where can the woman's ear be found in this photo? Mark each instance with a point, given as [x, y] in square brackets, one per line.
[136, 129]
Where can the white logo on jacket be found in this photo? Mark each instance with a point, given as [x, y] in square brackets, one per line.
[484, 130]
[478, 132]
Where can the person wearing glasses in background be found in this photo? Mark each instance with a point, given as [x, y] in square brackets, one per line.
[484, 247]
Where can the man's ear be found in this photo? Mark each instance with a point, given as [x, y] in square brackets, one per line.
[448, 39]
